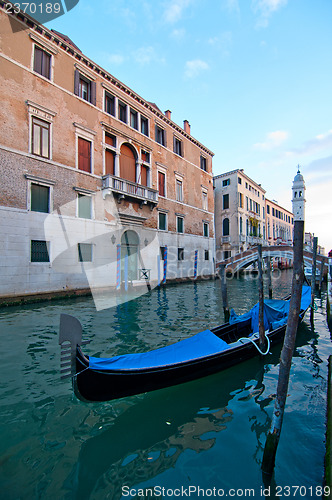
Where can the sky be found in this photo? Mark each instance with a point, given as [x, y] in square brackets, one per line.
[252, 77]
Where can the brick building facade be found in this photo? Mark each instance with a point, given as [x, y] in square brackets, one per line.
[93, 177]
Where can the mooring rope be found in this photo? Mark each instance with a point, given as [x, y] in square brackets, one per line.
[258, 349]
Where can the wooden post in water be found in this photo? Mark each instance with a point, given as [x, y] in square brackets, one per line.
[321, 276]
[222, 274]
[273, 436]
[313, 279]
[261, 299]
[269, 276]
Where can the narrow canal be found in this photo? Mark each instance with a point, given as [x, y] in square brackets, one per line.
[209, 433]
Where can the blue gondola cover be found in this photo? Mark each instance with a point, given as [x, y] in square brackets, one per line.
[275, 312]
[200, 345]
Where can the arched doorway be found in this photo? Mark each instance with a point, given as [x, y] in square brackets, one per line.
[129, 248]
[127, 163]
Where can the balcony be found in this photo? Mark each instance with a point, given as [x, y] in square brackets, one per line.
[127, 189]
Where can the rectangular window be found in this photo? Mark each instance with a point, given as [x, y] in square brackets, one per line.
[161, 183]
[39, 251]
[226, 182]
[180, 253]
[160, 135]
[84, 252]
[240, 200]
[123, 112]
[205, 200]
[110, 139]
[84, 155]
[205, 229]
[40, 138]
[177, 146]
[84, 206]
[109, 104]
[42, 62]
[179, 224]
[162, 221]
[179, 191]
[84, 88]
[134, 119]
[145, 156]
[227, 254]
[203, 164]
[239, 180]
[225, 201]
[144, 126]
[206, 255]
[40, 198]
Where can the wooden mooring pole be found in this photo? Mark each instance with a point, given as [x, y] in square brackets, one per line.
[313, 279]
[269, 276]
[261, 328]
[222, 274]
[321, 276]
[273, 436]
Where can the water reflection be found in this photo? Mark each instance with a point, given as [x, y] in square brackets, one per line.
[149, 437]
[53, 446]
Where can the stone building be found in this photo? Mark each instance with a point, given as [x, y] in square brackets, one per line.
[239, 213]
[98, 186]
[279, 224]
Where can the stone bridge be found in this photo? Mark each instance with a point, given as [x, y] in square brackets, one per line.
[244, 259]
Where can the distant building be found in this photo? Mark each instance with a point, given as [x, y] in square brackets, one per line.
[239, 213]
[94, 178]
[279, 224]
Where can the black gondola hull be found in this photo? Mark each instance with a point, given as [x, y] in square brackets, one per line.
[93, 385]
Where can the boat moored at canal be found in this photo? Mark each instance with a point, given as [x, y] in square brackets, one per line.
[207, 352]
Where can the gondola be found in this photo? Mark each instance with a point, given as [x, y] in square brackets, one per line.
[207, 352]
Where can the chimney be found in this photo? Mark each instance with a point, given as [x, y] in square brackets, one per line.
[186, 126]
[168, 114]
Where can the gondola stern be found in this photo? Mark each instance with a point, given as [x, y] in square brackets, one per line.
[70, 336]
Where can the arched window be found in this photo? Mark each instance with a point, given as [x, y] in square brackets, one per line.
[225, 227]
[127, 163]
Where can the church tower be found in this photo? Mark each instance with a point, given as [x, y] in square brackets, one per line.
[298, 196]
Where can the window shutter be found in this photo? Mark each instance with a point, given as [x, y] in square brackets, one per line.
[38, 60]
[77, 82]
[93, 93]
[84, 155]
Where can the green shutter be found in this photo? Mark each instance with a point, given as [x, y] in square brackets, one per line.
[84, 206]
[40, 198]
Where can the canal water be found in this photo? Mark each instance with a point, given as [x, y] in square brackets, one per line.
[205, 434]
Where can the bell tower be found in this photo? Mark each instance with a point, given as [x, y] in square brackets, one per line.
[298, 199]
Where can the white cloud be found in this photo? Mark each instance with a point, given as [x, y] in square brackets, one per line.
[115, 58]
[264, 10]
[195, 67]
[318, 143]
[222, 42]
[146, 55]
[174, 10]
[178, 34]
[273, 140]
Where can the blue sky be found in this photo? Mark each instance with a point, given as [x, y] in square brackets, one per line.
[252, 77]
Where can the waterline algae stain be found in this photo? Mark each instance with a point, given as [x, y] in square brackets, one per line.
[209, 433]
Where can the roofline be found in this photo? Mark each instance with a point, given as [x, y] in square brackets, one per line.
[241, 171]
[77, 54]
[277, 204]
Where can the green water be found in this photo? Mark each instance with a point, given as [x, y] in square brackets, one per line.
[209, 433]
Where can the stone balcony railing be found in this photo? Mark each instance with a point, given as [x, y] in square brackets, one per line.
[127, 189]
